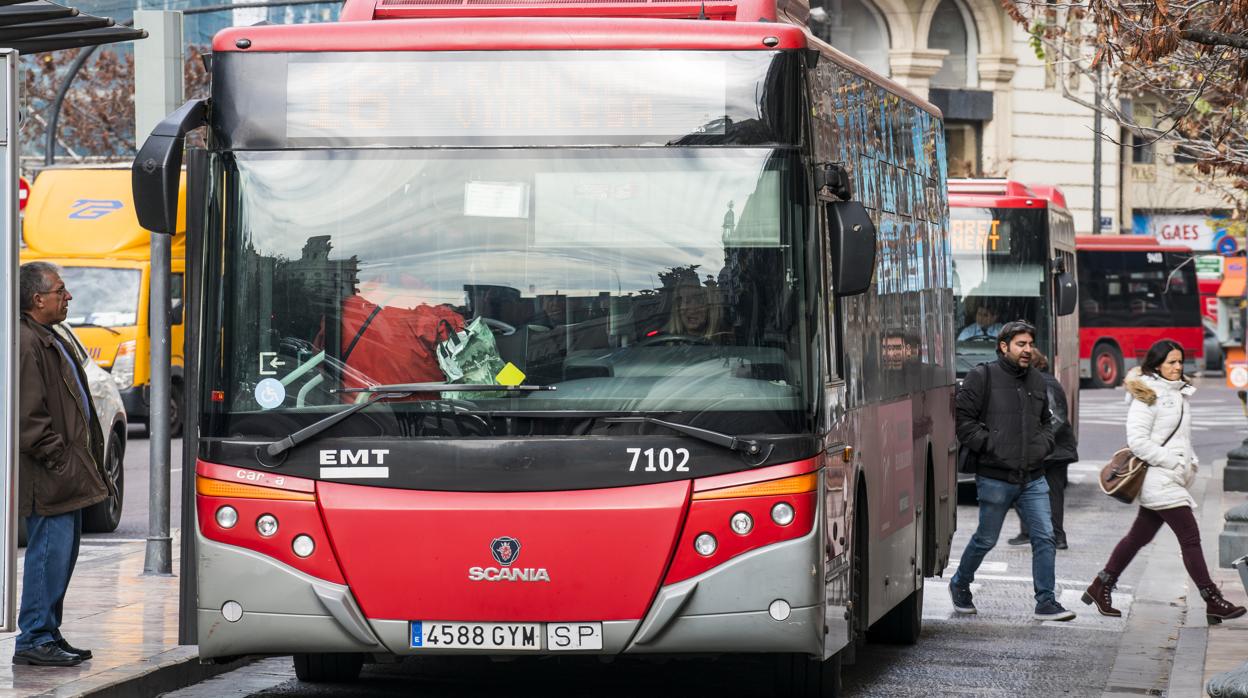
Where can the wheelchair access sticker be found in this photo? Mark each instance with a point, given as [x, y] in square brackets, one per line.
[270, 393]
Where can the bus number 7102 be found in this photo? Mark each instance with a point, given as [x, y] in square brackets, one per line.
[666, 460]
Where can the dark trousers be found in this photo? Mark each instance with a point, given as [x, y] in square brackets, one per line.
[1055, 474]
[1147, 523]
[51, 553]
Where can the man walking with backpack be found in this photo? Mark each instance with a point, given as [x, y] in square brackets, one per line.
[1003, 423]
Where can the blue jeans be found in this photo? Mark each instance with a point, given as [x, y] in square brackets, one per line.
[996, 498]
[51, 552]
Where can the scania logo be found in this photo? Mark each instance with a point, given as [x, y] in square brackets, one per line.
[505, 550]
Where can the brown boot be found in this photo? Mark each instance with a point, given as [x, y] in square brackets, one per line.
[1099, 593]
[1218, 609]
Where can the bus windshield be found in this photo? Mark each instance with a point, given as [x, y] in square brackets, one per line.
[999, 273]
[106, 296]
[629, 279]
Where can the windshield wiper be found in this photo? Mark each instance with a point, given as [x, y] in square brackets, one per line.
[92, 324]
[728, 441]
[380, 392]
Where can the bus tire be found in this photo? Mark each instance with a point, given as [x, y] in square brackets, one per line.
[903, 624]
[1106, 366]
[803, 676]
[329, 667]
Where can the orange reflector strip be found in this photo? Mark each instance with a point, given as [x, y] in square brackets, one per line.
[788, 485]
[219, 488]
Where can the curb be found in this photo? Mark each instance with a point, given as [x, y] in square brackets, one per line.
[1187, 673]
[168, 671]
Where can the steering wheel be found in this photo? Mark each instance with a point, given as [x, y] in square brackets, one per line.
[499, 326]
[664, 339]
[980, 339]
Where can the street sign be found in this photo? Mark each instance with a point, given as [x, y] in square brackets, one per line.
[1236, 368]
[1227, 245]
[1107, 223]
[9, 149]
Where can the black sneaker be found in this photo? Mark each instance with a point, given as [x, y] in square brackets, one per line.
[1020, 539]
[962, 601]
[1052, 610]
[1059, 541]
[47, 654]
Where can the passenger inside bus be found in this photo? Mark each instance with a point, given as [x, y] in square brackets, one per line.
[985, 328]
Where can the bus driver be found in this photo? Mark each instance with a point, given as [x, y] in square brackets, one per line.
[985, 326]
[695, 313]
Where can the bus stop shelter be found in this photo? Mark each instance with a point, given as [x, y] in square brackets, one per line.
[32, 26]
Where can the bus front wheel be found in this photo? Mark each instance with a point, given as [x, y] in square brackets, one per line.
[1106, 366]
[330, 667]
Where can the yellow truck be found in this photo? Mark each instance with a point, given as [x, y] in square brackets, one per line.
[82, 219]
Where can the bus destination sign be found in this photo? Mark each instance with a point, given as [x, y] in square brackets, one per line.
[548, 97]
[979, 236]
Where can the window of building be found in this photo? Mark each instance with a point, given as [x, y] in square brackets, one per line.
[1142, 150]
[962, 148]
[953, 30]
[855, 27]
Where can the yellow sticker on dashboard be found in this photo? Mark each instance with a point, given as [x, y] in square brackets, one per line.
[510, 375]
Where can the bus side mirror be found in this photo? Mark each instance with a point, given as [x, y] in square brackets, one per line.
[156, 175]
[852, 238]
[1067, 293]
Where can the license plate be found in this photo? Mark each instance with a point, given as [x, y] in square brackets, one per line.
[567, 637]
[436, 634]
[432, 634]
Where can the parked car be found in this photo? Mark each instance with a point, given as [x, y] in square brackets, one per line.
[1214, 354]
[105, 516]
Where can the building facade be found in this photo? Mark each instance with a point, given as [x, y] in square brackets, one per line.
[1007, 114]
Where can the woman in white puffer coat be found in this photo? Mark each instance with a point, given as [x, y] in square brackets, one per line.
[1159, 431]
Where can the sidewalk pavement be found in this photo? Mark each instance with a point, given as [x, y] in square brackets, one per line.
[1204, 651]
[128, 620]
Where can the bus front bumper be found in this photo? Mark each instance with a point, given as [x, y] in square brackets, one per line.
[725, 609]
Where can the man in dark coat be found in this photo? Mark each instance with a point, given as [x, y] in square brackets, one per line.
[1065, 451]
[60, 466]
[1003, 420]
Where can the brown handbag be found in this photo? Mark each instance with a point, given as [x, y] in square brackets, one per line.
[1123, 476]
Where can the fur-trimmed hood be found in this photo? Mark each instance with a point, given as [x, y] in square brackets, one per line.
[1145, 388]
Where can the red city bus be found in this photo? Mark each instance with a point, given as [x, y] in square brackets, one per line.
[1132, 293]
[561, 327]
[1013, 259]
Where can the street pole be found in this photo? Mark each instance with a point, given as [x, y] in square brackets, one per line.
[157, 92]
[1096, 154]
[10, 146]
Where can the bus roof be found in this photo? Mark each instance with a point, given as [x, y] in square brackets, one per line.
[519, 33]
[510, 34]
[1004, 193]
[1125, 243]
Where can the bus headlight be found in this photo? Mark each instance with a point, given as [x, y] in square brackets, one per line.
[123, 365]
[705, 544]
[227, 517]
[303, 545]
[782, 514]
[266, 525]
